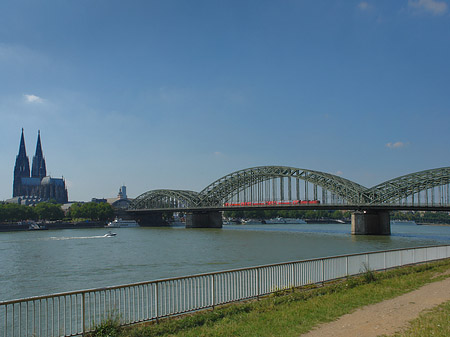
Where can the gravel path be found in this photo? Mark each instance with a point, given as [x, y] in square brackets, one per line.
[387, 317]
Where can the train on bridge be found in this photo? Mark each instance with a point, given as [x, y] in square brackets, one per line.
[274, 203]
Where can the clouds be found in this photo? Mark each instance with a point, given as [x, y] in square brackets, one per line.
[434, 7]
[33, 99]
[364, 6]
[396, 145]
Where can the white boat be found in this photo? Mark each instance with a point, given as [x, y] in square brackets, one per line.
[35, 227]
[403, 222]
[109, 234]
[253, 222]
[120, 223]
[285, 221]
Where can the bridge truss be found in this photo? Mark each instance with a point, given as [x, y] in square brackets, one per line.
[281, 185]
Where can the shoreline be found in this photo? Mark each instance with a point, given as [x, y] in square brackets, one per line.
[14, 227]
[431, 224]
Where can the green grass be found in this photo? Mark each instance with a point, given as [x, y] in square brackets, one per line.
[432, 323]
[294, 311]
[108, 328]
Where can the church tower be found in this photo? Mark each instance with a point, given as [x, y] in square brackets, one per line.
[21, 168]
[37, 187]
[38, 169]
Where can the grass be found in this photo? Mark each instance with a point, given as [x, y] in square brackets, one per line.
[294, 311]
[108, 328]
[432, 323]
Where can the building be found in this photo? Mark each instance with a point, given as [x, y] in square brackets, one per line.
[122, 201]
[35, 186]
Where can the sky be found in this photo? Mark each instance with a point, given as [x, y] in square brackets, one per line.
[175, 94]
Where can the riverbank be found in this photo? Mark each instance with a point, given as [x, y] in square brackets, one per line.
[432, 224]
[295, 311]
[10, 227]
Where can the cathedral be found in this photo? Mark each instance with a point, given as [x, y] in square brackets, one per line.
[35, 187]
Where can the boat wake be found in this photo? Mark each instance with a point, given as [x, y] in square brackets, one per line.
[59, 238]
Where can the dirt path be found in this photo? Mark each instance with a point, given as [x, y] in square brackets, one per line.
[386, 317]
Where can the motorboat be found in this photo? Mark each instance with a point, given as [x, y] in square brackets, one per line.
[36, 227]
[120, 223]
[109, 234]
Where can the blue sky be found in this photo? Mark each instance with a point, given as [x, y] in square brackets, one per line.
[176, 94]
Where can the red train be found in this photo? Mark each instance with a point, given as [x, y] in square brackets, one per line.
[274, 203]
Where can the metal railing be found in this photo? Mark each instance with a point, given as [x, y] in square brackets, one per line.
[76, 313]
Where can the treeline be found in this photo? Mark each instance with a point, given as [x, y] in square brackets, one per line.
[91, 210]
[296, 214]
[431, 217]
[43, 210]
[53, 212]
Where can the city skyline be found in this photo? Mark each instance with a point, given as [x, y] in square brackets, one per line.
[175, 95]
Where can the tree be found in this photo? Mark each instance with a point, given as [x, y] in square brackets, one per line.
[104, 211]
[15, 212]
[92, 211]
[336, 215]
[75, 211]
[49, 211]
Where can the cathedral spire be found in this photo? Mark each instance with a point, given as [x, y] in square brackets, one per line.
[22, 150]
[38, 169]
[21, 168]
[38, 145]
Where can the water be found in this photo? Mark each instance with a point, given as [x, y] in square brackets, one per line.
[43, 262]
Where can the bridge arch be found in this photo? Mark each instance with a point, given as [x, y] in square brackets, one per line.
[418, 187]
[274, 183]
[165, 199]
[261, 178]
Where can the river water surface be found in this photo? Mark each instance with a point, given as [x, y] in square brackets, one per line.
[36, 263]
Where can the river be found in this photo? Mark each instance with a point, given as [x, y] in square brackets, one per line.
[36, 263]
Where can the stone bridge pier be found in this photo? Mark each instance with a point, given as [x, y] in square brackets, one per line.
[371, 223]
[204, 219]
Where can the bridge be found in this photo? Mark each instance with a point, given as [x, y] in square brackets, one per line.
[281, 187]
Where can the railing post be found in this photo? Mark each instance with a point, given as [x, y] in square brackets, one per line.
[213, 295]
[258, 290]
[156, 302]
[294, 283]
[322, 271]
[83, 312]
[6, 320]
[401, 258]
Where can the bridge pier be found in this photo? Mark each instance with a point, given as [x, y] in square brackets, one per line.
[204, 219]
[371, 223]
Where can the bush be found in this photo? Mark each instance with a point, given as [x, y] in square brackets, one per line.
[109, 328]
[368, 274]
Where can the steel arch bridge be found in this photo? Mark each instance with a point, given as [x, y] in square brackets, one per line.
[271, 186]
[166, 199]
